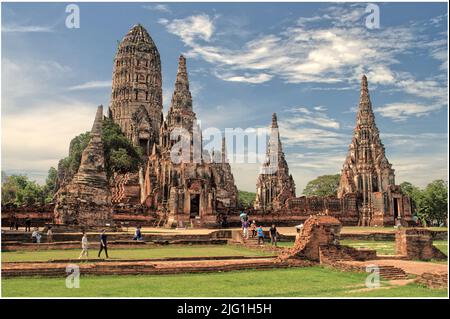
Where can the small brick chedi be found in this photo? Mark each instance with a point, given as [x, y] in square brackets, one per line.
[86, 199]
[274, 185]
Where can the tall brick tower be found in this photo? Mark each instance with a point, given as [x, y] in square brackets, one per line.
[366, 170]
[136, 99]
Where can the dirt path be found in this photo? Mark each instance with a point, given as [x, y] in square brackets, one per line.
[409, 266]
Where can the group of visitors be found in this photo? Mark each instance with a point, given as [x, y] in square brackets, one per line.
[85, 245]
[14, 223]
[257, 231]
[36, 235]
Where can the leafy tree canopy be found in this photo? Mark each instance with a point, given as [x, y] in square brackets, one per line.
[246, 199]
[324, 185]
[121, 155]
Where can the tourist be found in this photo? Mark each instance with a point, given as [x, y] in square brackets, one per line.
[84, 246]
[260, 235]
[36, 236]
[273, 235]
[27, 223]
[12, 221]
[299, 231]
[245, 229]
[137, 234]
[49, 234]
[103, 244]
[253, 228]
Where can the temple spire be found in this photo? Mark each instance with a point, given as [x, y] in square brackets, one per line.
[182, 96]
[224, 150]
[365, 113]
[274, 120]
[97, 126]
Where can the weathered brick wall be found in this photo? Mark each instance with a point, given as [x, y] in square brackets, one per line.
[433, 280]
[415, 243]
[317, 231]
[39, 214]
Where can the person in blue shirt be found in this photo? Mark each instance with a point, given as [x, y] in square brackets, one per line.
[137, 234]
[103, 244]
[260, 235]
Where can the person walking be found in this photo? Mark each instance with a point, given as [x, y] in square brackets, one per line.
[245, 229]
[137, 234]
[28, 224]
[253, 229]
[103, 244]
[260, 235]
[49, 235]
[273, 235]
[12, 222]
[84, 246]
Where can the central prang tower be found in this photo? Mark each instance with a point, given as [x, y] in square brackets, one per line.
[136, 99]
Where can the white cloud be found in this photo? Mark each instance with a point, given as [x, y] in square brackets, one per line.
[158, 7]
[300, 54]
[246, 77]
[336, 51]
[190, 29]
[401, 111]
[302, 115]
[26, 28]
[91, 85]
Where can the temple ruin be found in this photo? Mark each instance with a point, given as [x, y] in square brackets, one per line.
[181, 184]
[367, 194]
[194, 189]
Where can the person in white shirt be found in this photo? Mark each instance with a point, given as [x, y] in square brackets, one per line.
[49, 235]
[84, 246]
[36, 236]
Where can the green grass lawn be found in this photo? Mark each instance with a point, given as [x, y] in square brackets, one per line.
[294, 282]
[135, 253]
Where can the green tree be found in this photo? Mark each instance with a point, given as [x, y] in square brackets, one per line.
[433, 204]
[50, 184]
[415, 194]
[120, 154]
[324, 185]
[32, 193]
[17, 189]
[246, 199]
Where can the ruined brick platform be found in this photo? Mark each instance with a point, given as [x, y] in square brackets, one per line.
[145, 267]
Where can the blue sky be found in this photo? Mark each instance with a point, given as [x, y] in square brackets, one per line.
[245, 61]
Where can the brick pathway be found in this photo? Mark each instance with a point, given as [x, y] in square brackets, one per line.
[409, 266]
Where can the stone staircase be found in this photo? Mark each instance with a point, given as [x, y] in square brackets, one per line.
[392, 273]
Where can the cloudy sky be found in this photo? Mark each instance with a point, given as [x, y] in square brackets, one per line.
[245, 61]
